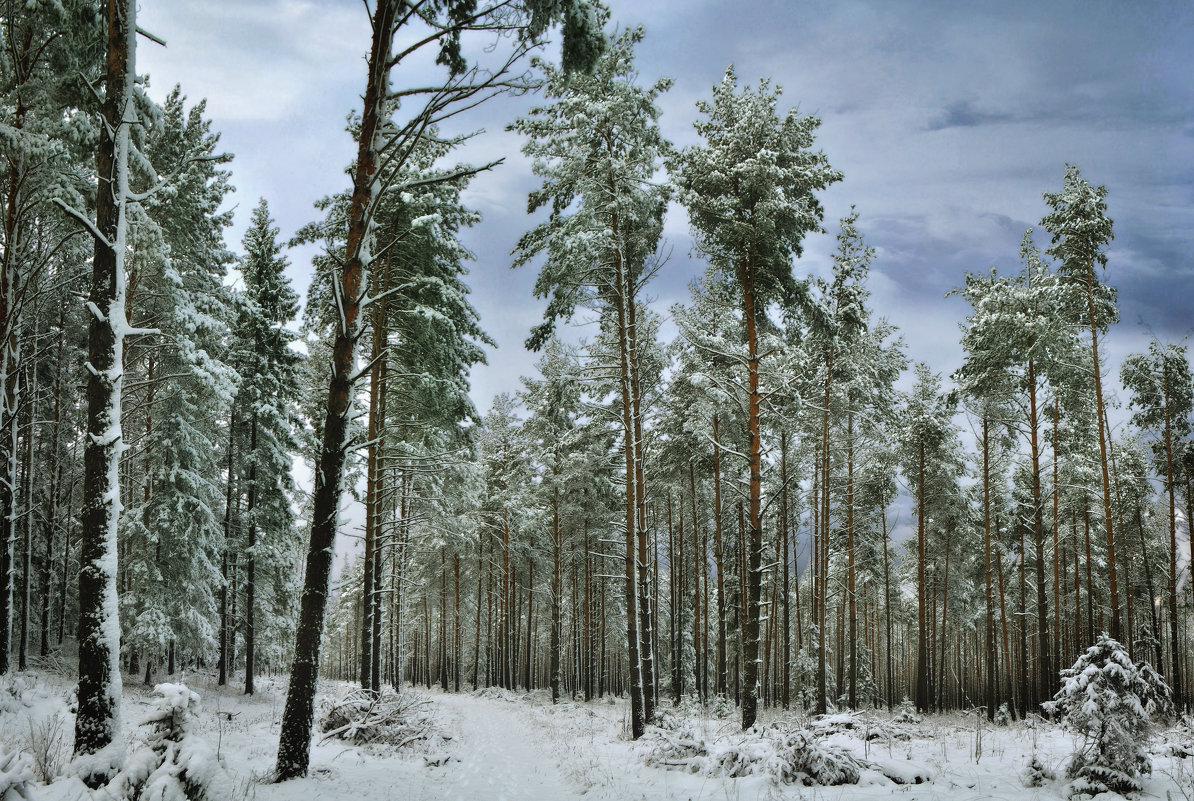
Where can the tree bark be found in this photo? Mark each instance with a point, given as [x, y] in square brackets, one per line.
[97, 720]
[295, 741]
[750, 674]
[251, 562]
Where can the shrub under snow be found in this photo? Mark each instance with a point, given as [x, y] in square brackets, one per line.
[787, 756]
[1109, 703]
[168, 761]
[16, 775]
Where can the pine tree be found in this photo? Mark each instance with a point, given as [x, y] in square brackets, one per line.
[1080, 231]
[1163, 396]
[169, 533]
[598, 147]
[749, 193]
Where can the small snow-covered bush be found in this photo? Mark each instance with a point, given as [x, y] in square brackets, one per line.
[16, 776]
[1036, 773]
[787, 756]
[1002, 716]
[168, 760]
[1109, 702]
[362, 717]
[907, 713]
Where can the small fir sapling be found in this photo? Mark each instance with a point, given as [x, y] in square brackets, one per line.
[1110, 703]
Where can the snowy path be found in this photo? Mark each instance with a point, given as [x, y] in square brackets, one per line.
[503, 755]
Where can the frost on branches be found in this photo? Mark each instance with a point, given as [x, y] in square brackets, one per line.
[1109, 703]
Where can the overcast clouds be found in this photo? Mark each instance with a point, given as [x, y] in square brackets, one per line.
[948, 119]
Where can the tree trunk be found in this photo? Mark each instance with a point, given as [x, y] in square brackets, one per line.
[97, 720]
[992, 691]
[1175, 650]
[1045, 653]
[750, 688]
[1103, 435]
[295, 741]
[251, 562]
[623, 295]
[722, 680]
[922, 645]
[785, 697]
[850, 579]
[225, 634]
[557, 601]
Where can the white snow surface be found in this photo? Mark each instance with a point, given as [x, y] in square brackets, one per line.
[517, 746]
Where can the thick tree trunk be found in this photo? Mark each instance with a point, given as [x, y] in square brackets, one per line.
[750, 673]
[295, 741]
[96, 723]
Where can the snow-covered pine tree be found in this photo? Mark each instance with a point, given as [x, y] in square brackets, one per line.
[1163, 396]
[170, 532]
[598, 147]
[266, 408]
[553, 402]
[1080, 231]
[96, 723]
[749, 193]
[1110, 703]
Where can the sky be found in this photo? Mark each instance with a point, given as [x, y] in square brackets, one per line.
[948, 119]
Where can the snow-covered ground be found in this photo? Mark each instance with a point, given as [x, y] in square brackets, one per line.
[494, 745]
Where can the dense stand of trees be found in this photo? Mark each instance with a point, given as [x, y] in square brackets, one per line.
[723, 517]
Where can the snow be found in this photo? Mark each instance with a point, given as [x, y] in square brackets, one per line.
[507, 745]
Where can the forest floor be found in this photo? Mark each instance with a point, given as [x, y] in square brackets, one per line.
[495, 746]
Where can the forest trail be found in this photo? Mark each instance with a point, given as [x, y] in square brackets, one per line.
[502, 754]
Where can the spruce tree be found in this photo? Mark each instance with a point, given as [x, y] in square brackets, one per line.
[266, 404]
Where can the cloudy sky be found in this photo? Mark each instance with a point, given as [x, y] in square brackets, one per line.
[948, 119]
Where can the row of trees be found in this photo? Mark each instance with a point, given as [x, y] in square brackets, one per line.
[746, 472]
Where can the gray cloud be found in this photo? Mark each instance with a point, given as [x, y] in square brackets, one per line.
[948, 119]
